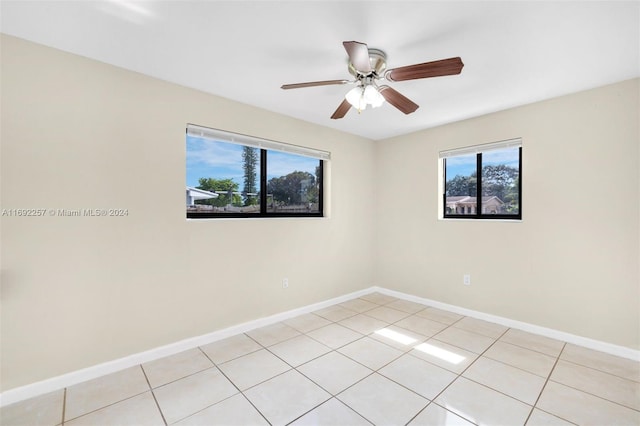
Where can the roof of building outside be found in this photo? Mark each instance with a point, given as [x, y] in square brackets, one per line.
[465, 199]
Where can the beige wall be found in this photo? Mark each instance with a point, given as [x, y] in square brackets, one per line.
[572, 263]
[78, 291]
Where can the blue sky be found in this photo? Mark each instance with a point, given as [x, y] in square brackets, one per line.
[464, 165]
[220, 160]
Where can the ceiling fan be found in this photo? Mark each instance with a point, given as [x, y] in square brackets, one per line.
[368, 66]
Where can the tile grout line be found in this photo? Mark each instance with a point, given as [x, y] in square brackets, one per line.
[509, 365]
[296, 368]
[290, 369]
[363, 336]
[310, 410]
[430, 401]
[376, 371]
[183, 377]
[327, 390]
[515, 366]
[213, 366]
[344, 355]
[332, 395]
[582, 390]
[448, 326]
[348, 357]
[341, 346]
[339, 353]
[594, 395]
[336, 350]
[64, 406]
[266, 348]
[460, 375]
[535, 350]
[109, 405]
[153, 394]
[601, 371]
[497, 339]
[293, 368]
[349, 387]
[545, 384]
[234, 385]
[216, 367]
[339, 402]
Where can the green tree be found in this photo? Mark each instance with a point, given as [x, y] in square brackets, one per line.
[496, 180]
[295, 188]
[511, 197]
[313, 193]
[501, 181]
[225, 189]
[462, 186]
[249, 165]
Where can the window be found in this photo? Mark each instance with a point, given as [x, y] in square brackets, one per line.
[483, 182]
[232, 175]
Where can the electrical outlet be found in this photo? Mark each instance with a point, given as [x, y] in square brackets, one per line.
[466, 279]
[285, 283]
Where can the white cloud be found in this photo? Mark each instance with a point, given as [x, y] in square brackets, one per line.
[280, 164]
[213, 154]
[220, 158]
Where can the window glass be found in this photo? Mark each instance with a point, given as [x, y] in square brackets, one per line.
[226, 178]
[292, 183]
[500, 181]
[221, 177]
[461, 184]
[483, 182]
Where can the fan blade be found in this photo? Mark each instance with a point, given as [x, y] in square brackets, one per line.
[313, 83]
[439, 68]
[398, 100]
[342, 110]
[358, 56]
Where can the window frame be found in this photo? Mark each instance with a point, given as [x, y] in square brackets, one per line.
[264, 145]
[478, 150]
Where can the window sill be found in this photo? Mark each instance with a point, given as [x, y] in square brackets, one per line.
[451, 219]
[225, 219]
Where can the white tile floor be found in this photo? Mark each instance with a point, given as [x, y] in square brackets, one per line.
[374, 360]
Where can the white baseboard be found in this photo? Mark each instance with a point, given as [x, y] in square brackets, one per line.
[586, 342]
[55, 383]
[40, 388]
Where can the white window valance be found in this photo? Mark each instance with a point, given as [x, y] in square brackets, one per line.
[255, 142]
[510, 143]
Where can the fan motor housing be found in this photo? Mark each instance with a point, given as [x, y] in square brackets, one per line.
[378, 61]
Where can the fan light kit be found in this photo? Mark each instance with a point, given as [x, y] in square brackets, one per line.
[362, 95]
[368, 66]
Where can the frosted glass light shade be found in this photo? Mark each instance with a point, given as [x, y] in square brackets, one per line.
[355, 97]
[373, 97]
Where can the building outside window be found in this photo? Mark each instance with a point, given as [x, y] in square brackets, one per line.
[483, 181]
[233, 175]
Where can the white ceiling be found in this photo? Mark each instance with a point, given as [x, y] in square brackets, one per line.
[514, 52]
